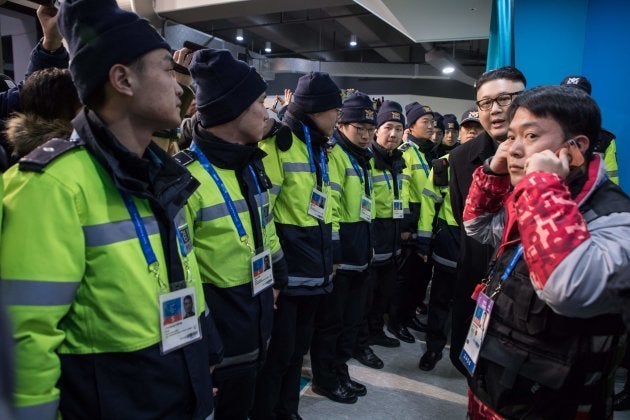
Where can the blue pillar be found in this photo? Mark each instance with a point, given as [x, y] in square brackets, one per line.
[582, 37]
[501, 43]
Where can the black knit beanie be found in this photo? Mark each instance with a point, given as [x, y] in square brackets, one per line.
[390, 111]
[100, 34]
[450, 122]
[225, 86]
[358, 108]
[414, 111]
[316, 92]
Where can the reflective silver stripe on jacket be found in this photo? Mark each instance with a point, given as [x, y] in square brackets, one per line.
[381, 178]
[240, 358]
[46, 410]
[275, 189]
[352, 267]
[445, 262]
[112, 232]
[416, 166]
[383, 257]
[352, 172]
[305, 281]
[335, 236]
[335, 186]
[216, 211]
[277, 256]
[433, 195]
[405, 176]
[296, 167]
[38, 293]
[424, 234]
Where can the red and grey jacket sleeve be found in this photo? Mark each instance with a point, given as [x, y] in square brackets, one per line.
[484, 214]
[569, 260]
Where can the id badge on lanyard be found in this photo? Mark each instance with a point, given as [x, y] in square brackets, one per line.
[397, 209]
[366, 208]
[469, 355]
[317, 204]
[476, 333]
[262, 272]
[179, 324]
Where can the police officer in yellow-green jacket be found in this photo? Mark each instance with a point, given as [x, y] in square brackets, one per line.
[240, 257]
[605, 145]
[390, 204]
[339, 314]
[100, 278]
[439, 238]
[297, 165]
[414, 274]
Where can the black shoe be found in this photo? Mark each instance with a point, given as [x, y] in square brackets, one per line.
[429, 360]
[367, 357]
[417, 325]
[621, 401]
[383, 341]
[359, 389]
[340, 394]
[401, 333]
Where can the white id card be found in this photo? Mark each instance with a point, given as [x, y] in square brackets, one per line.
[262, 272]
[179, 324]
[397, 206]
[317, 205]
[366, 208]
[476, 333]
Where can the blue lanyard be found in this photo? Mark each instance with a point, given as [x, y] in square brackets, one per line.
[141, 230]
[517, 256]
[322, 156]
[262, 212]
[359, 170]
[399, 183]
[224, 192]
[424, 167]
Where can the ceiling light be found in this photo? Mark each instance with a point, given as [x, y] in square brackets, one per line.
[239, 35]
[267, 47]
[353, 40]
[448, 70]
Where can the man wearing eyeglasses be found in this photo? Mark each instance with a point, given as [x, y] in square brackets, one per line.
[495, 90]
[340, 312]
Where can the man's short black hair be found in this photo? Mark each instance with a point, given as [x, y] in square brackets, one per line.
[573, 109]
[507, 72]
[50, 94]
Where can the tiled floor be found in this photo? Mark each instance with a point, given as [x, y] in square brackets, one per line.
[400, 390]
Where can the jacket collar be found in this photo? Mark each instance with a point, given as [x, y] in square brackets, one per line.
[295, 121]
[362, 156]
[154, 176]
[480, 148]
[223, 154]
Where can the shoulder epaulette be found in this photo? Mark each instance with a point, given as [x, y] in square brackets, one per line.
[284, 138]
[184, 157]
[42, 155]
[404, 146]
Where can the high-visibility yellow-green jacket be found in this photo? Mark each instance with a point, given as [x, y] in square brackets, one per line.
[389, 183]
[441, 234]
[75, 278]
[352, 239]
[610, 158]
[225, 259]
[306, 240]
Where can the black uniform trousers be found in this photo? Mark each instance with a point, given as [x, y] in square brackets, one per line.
[382, 279]
[336, 327]
[410, 288]
[440, 302]
[235, 395]
[278, 383]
